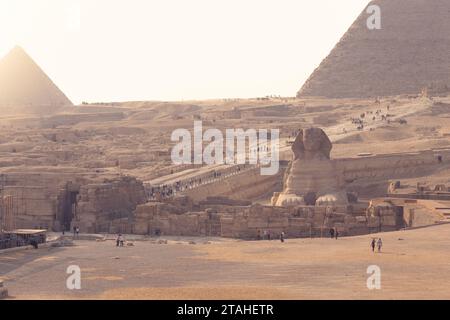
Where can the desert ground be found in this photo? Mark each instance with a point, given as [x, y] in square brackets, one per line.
[414, 265]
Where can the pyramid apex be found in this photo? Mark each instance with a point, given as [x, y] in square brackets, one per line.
[17, 48]
[16, 51]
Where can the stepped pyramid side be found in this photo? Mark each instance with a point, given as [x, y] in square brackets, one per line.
[25, 87]
[409, 53]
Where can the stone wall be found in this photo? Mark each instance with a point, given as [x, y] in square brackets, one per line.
[107, 207]
[248, 222]
[392, 166]
[249, 185]
[32, 207]
[357, 172]
[35, 197]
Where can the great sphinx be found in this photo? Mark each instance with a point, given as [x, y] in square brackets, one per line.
[311, 177]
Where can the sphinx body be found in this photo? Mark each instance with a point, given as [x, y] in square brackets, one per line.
[312, 177]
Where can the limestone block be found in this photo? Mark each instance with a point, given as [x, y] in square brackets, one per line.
[361, 219]
[141, 227]
[341, 227]
[318, 219]
[320, 210]
[256, 209]
[348, 219]
[267, 211]
[387, 212]
[358, 230]
[257, 223]
[373, 222]
[297, 222]
[388, 221]
[279, 223]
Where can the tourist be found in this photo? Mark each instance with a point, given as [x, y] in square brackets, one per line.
[373, 244]
[119, 241]
[282, 236]
[379, 244]
[332, 233]
[74, 231]
[259, 234]
[336, 233]
[264, 234]
[268, 235]
[77, 230]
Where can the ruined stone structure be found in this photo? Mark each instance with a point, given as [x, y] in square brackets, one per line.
[55, 200]
[312, 177]
[7, 217]
[247, 185]
[407, 54]
[108, 206]
[40, 200]
[247, 222]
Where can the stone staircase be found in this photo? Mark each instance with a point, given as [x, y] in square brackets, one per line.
[445, 212]
[441, 208]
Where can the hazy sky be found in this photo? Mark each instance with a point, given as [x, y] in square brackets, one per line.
[117, 50]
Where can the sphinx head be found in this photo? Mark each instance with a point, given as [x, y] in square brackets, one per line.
[312, 143]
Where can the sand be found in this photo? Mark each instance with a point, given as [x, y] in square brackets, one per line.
[414, 265]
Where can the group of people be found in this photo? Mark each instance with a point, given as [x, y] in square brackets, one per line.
[376, 243]
[359, 122]
[168, 191]
[334, 233]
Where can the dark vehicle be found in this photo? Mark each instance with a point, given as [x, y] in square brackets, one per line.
[22, 237]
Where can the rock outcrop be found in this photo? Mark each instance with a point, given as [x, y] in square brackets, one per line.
[106, 206]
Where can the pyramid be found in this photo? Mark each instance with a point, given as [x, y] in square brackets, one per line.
[409, 53]
[25, 88]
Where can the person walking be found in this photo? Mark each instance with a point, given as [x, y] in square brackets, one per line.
[119, 241]
[336, 233]
[373, 244]
[379, 244]
[331, 233]
[282, 236]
